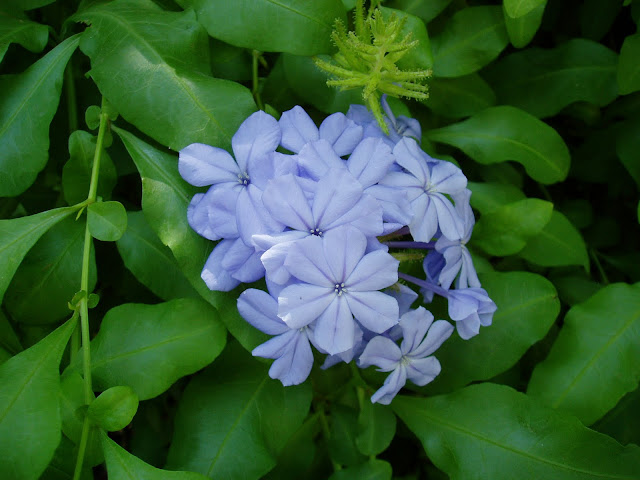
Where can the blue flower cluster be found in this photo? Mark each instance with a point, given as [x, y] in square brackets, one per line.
[309, 221]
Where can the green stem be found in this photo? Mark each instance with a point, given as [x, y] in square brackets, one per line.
[93, 188]
[72, 106]
[82, 448]
[256, 86]
[326, 433]
[596, 261]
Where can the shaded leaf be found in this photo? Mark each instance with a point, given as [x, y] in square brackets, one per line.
[344, 431]
[522, 29]
[596, 358]
[488, 197]
[520, 8]
[31, 35]
[427, 11]
[114, 408]
[419, 57]
[233, 411]
[628, 67]
[627, 145]
[29, 415]
[377, 427]
[107, 221]
[459, 97]
[503, 133]
[514, 437]
[373, 469]
[29, 101]
[148, 347]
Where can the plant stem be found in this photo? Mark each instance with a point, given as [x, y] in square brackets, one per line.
[256, 86]
[72, 106]
[596, 261]
[82, 448]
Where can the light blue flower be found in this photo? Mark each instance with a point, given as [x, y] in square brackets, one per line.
[470, 308]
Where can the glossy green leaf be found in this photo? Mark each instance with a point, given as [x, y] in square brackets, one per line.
[76, 173]
[558, 244]
[107, 220]
[628, 67]
[623, 422]
[373, 469]
[420, 56]
[427, 11]
[574, 288]
[527, 308]
[544, 81]
[489, 196]
[63, 463]
[18, 235]
[507, 230]
[151, 262]
[627, 146]
[121, 465]
[29, 101]
[232, 412]
[29, 415]
[503, 133]
[49, 275]
[522, 29]
[31, 35]
[376, 428]
[148, 347]
[294, 26]
[520, 8]
[8, 338]
[26, 4]
[180, 103]
[459, 97]
[114, 408]
[165, 197]
[596, 358]
[296, 458]
[344, 430]
[491, 431]
[472, 38]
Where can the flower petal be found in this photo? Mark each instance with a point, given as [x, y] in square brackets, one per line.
[216, 277]
[376, 311]
[261, 310]
[341, 133]
[335, 329]
[317, 157]
[337, 193]
[252, 217]
[370, 161]
[203, 165]
[198, 217]
[294, 366]
[423, 370]
[408, 155]
[448, 178]
[300, 304]
[297, 129]
[449, 221]
[414, 324]
[287, 203]
[392, 385]
[439, 331]
[381, 352]
[257, 136]
[306, 261]
[376, 270]
[343, 248]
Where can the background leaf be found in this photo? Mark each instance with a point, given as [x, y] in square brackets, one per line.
[377, 427]
[222, 421]
[505, 133]
[522, 29]
[148, 347]
[472, 38]
[107, 221]
[29, 101]
[181, 103]
[114, 408]
[298, 27]
[520, 8]
[596, 358]
[459, 97]
[515, 437]
[373, 469]
[420, 56]
[29, 415]
[31, 35]
[628, 70]
[544, 81]
[528, 306]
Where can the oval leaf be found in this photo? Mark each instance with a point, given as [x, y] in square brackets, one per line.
[459, 97]
[114, 408]
[514, 437]
[558, 244]
[148, 347]
[628, 67]
[231, 407]
[30, 35]
[522, 29]
[520, 8]
[301, 28]
[595, 360]
[182, 103]
[504, 133]
[528, 306]
[151, 262]
[107, 220]
[471, 39]
[544, 81]
[29, 411]
[24, 137]
[377, 427]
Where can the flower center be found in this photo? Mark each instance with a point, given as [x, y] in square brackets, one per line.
[339, 289]
[315, 231]
[243, 179]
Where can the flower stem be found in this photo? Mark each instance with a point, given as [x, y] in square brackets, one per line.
[419, 245]
[255, 85]
[424, 284]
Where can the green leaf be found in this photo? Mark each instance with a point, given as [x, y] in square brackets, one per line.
[628, 67]
[597, 18]
[527, 308]
[29, 414]
[301, 28]
[8, 338]
[76, 173]
[165, 197]
[558, 244]
[492, 431]
[488, 197]
[344, 431]
[627, 145]
[49, 275]
[151, 262]
[149, 347]
[459, 97]
[107, 220]
[32, 36]
[472, 38]
[296, 457]
[181, 103]
[427, 11]
[574, 289]
[26, 4]
[114, 408]
[18, 235]
[544, 81]
[373, 469]
[63, 463]
[503, 133]
[234, 411]
[507, 230]
[420, 56]
[522, 29]
[623, 422]
[121, 465]
[520, 8]
[596, 358]
[29, 102]
[376, 428]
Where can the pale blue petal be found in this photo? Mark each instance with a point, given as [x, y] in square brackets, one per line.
[381, 352]
[252, 216]
[306, 261]
[270, 166]
[415, 325]
[275, 255]
[243, 262]
[409, 156]
[343, 134]
[439, 331]
[395, 204]
[257, 136]
[216, 277]
[469, 327]
[261, 310]
[376, 311]
[337, 193]
[277, 346]
[424, 223]
[287, 203]
[300, 304]
[297, 129]
[370, 161]
[448, 178]
[468, 277]
[453, 264]
[316, 158]
[376, 270]
[365, 215]
[198, 217]
[392, 385]
[294, 366]
[404, 295]
[423, 370]
[220, 204]
[335, 329]
[403, 181]
[343, 249]
[203, 165]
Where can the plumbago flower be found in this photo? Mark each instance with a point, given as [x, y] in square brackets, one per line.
[325, 225]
